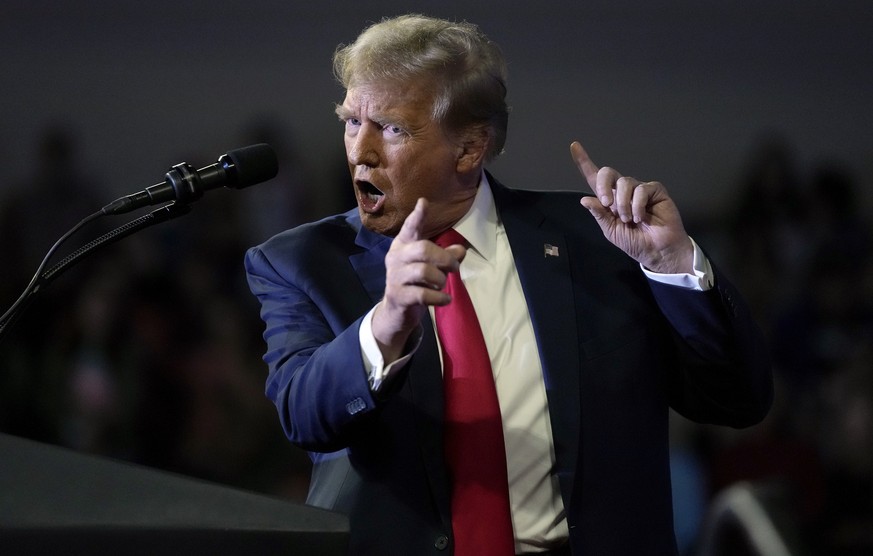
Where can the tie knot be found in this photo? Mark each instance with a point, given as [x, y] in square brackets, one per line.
[449, 237]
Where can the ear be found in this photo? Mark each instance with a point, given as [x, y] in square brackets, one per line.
[472, 149]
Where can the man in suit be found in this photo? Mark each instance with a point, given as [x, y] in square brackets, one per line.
[595, 324]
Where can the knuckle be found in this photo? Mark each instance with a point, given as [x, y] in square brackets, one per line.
[608, 174]
[417, 272]
[418, 250]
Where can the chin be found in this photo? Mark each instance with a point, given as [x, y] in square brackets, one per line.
[380, 223]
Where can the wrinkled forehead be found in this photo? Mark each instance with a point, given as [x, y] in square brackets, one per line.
[408, 97]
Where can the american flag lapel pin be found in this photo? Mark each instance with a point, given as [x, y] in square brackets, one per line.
[550, 250]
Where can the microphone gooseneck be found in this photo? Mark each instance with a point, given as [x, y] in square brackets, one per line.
[236, 169]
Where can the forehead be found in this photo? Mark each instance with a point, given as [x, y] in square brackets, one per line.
[407, 99]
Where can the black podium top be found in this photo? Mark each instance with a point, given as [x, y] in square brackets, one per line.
[57, 501]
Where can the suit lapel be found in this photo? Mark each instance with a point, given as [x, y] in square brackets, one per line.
[369, 264]
[542, 258]
[423, 385]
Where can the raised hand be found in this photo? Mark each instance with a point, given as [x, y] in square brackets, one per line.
[638, 217]
[415, 273]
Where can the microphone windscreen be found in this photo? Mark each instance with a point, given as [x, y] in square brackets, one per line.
[253, 164]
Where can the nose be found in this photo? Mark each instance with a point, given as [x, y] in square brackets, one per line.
[363, 148]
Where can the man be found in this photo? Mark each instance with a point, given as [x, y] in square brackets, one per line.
[593, 326]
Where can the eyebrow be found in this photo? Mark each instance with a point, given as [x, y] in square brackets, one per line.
[345, 113]
[342, 112]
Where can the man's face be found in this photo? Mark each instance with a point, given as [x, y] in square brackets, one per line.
[397, 153]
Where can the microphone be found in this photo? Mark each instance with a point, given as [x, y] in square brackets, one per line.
[236, 169]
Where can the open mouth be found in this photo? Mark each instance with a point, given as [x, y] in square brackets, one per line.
[370, 197]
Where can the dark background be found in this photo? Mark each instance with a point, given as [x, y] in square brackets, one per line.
[675, 90]
[756, 115]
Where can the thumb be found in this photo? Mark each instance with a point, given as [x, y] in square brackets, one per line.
[602, 215]
[457, 251]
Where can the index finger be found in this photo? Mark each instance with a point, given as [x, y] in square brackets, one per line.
[411, 229]
[585, 164]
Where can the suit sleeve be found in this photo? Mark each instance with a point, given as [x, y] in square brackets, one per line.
[316, 377]
[725, 375]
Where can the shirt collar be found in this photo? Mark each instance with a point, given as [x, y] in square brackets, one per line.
[479, 226]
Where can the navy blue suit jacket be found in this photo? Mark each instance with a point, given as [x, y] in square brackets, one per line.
[617, 352]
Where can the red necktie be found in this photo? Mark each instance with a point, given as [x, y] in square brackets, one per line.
[474, 449]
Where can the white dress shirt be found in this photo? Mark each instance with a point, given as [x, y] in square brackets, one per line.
[490, 276]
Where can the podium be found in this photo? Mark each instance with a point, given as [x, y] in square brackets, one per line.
[57, 501]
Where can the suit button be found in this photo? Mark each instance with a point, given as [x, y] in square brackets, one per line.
[441, 543]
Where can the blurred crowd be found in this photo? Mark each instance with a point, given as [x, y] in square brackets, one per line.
[797, 244]
[150, 351]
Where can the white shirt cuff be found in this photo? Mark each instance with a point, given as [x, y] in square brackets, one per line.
[377, 370]
[701, 280]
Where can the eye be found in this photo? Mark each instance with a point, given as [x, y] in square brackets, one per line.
[352, 125]
[393, 130]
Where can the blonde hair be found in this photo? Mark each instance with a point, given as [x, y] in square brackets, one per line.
[466, 68]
